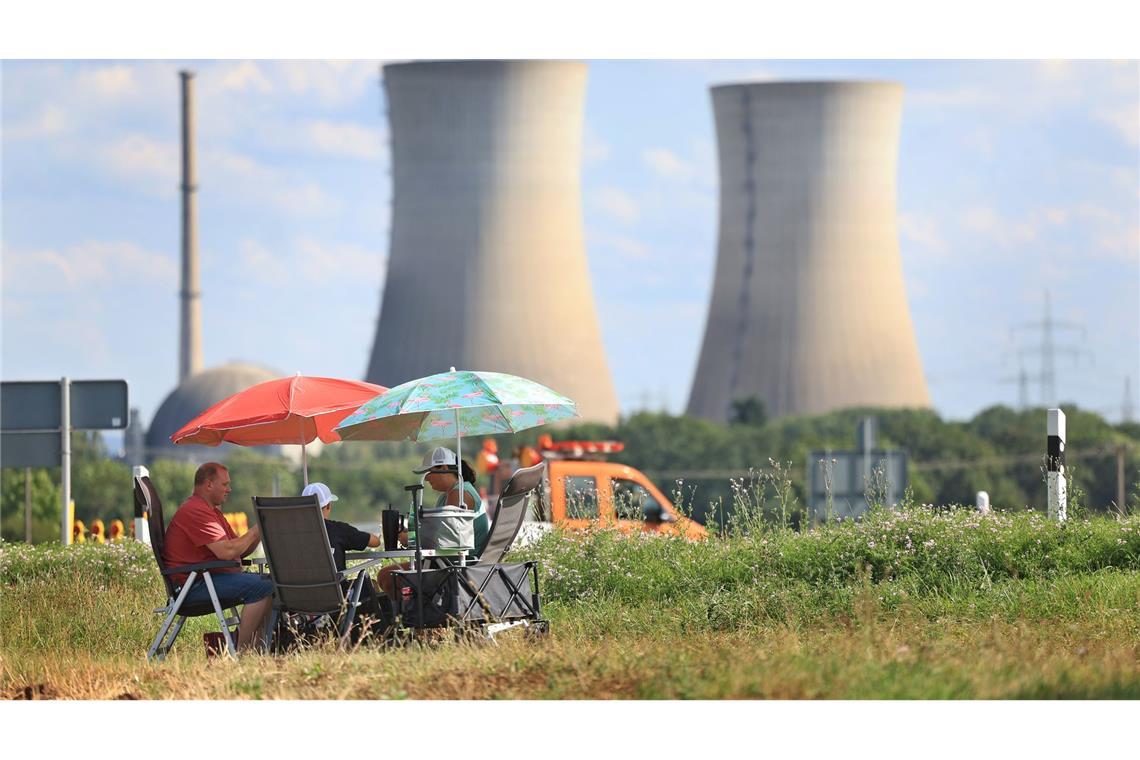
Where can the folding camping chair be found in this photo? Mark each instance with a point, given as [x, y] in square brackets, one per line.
[148, 503]
[305, 578]
[485, 592]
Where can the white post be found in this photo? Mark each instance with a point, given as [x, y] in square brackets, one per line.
[65, 460]
[982, 500]
[1055, 465]
[142, 524]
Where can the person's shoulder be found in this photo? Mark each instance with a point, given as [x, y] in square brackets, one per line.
[193, 507]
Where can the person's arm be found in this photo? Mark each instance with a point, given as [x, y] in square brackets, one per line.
[468, 500]
[373, 539]
[236, 548]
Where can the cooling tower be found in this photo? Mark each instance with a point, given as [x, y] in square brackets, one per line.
[808, 309]
[486, 266]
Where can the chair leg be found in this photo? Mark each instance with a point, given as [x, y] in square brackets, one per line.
[173, 608]
[221, 615]
[353, 602]
[269, 635]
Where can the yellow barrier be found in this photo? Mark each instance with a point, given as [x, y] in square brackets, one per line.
[98, 533]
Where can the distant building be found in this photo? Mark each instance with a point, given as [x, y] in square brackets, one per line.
[193, 396]
[487, 266]
[808, 311]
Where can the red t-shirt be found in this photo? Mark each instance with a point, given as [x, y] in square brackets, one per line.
[195, 525]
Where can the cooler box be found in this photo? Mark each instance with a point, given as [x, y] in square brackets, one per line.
[447, 528]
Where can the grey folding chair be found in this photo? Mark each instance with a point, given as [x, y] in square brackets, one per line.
[510, 513]
[148, 502]
[485, 592]
[305, 578]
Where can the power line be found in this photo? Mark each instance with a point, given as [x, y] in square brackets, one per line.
[1047, 350]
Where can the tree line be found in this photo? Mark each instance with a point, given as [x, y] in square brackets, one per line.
[950, 461]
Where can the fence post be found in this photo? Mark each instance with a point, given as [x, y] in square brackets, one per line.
[1055, 465]
[982, 501]
[142, 525]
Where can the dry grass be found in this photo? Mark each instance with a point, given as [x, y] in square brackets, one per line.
[898, 655]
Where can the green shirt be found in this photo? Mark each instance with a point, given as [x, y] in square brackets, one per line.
[482, 523]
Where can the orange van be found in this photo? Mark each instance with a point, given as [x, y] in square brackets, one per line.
[581, 489]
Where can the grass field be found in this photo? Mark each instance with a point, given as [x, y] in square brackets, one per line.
[914, 604]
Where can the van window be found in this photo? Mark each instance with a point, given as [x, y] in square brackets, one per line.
[581, 497]
[633, 502]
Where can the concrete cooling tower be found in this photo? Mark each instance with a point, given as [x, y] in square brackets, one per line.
[487, 266]
[808, 310]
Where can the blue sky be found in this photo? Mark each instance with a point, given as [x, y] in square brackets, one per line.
[1014, 177]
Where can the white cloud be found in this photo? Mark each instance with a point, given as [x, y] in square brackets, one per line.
[109, 81]
[594, 148]
[617, 203]
[924, 230]
[331, 82]
[324, 262]
[961, 97]
[153, 165]
[47, 122]
[242, 178]
[666, 164]
[312, 262]
[245, 76]
[1003, 231]
[1124, 119]
[346, 139]
[80, 267]
[628, 248]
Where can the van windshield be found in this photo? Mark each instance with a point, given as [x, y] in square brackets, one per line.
[633, 502]
[581, 497]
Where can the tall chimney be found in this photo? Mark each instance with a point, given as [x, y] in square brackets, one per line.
[190, 327]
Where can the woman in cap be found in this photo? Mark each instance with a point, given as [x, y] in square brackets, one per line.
[440, 469]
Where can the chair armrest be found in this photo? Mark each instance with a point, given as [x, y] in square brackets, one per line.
[356, 569]
[215, 564]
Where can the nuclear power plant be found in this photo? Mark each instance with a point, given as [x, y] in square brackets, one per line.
[808, 311]
[487, 265]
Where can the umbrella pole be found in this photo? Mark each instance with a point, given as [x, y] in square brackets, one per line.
[305, 464]
[458, 458]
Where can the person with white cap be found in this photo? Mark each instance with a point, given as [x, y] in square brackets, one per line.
[342, 536]
[444, 476]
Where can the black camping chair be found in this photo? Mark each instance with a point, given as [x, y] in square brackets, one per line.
[149, 504]
[485, 592]
[305, 578]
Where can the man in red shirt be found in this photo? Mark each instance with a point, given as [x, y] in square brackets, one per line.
[199, 533]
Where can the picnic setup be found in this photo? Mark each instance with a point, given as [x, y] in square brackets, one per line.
[437, 570]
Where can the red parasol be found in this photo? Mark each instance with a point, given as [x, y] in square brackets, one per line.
[288, 410]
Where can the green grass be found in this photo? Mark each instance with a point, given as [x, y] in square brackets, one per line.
[950, 605]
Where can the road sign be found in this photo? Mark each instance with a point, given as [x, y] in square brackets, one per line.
[99, 404]
[32, 413]
[839, 482]
[42, 449]
[29, 405]
[35, 405]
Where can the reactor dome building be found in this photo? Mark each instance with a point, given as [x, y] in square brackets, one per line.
[487, 265]
[808, 311]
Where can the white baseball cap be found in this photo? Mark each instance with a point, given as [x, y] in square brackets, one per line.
[324, 495]
[437, 457]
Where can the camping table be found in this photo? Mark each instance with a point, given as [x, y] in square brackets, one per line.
[417, 556]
